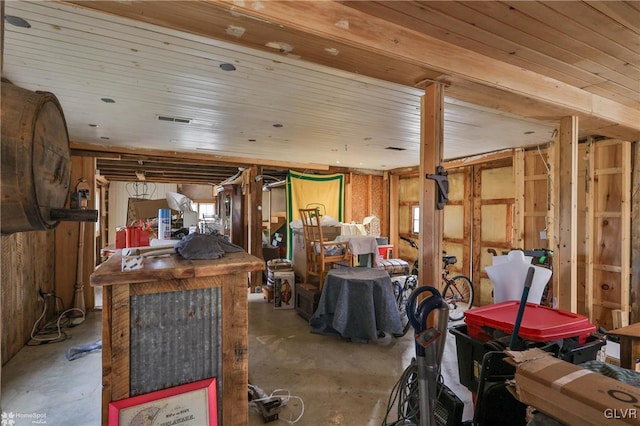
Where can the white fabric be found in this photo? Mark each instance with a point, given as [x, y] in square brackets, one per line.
[324, 221]
[508, 279]
[352, 229]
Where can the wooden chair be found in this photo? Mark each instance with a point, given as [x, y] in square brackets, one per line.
[321, 254]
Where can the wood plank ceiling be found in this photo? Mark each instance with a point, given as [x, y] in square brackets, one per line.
[343, 79]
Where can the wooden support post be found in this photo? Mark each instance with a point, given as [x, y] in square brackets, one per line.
[254, 220]
[431, 219]
[394, 207]
[348, 195]
[635, 235]
[519, 206]
[625, 229]
[589, 230]
[566, 202]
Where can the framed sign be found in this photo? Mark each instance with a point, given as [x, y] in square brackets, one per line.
[192, 404]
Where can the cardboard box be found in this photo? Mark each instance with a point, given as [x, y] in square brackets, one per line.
[571, 394]
[145, 209]
[284, 296]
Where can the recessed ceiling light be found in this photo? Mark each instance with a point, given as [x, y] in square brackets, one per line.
[277, 125]
[17, 21]
[93, 125]
[108, 100]
[227, 67]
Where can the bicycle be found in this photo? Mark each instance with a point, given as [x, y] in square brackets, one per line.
[458, 290]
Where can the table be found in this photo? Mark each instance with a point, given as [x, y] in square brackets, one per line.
[629, 347]
[151, 315]
[356, 303]
[361, 245]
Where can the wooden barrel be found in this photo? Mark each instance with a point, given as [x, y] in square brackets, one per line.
[36, 167]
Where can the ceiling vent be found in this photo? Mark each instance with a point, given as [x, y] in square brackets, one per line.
[180, 120]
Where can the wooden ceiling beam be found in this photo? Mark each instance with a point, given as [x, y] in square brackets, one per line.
[337, 22]
[157, 167]
[100, 150]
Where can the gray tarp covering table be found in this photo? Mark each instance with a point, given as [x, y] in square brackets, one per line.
[356, 303]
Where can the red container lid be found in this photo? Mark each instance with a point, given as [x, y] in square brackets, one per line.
[539, 323]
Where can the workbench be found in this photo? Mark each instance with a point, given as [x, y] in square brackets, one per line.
[174, 322]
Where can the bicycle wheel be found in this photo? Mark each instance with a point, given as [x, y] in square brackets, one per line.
[458, 294]
[402, 292]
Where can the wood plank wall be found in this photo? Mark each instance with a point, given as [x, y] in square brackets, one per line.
[538, 231]
[493, 218]
[66, 236]
[368, 195]
[606, 268]
[608, 204]
[27, 266]
[43, 260]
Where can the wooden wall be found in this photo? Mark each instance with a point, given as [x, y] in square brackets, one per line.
[27, 266]
[408, 196]
[608, 230]
[67, 241]
[457, 220]
[367, 195]
[511, 206]
[43, 260]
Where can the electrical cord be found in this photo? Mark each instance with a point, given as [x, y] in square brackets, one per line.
[283, 395]
[406, 394]
[403, 393]
[53, 327]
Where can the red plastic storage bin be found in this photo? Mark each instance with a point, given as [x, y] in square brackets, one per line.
[539, 323]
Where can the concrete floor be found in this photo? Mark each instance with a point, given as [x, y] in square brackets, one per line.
[40, 386]
[341, 383]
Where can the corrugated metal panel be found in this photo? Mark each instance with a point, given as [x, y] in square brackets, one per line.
[175, 339]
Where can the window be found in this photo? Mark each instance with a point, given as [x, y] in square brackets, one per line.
[205, 210]
[415, 219]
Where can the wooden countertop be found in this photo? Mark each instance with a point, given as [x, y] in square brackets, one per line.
[172, 267]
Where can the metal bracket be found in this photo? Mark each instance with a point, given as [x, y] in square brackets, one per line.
[442, 180]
